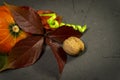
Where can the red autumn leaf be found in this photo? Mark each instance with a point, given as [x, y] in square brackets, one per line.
[63, 33]
[59, 53]
[27, 19]
[25, 52]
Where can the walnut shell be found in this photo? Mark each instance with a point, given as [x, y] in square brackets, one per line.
[73, 45]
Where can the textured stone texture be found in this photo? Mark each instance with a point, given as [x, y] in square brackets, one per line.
[101, 60]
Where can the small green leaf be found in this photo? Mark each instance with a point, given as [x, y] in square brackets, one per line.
[3, 61]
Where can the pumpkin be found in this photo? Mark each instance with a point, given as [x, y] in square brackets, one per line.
[10, 32]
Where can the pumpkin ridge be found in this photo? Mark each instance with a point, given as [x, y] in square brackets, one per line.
[5, 39]
[3, 29]
[15, 39]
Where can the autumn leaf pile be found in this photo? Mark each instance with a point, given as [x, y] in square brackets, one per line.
[23, 34]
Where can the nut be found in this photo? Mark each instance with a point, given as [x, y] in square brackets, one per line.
[73, 45]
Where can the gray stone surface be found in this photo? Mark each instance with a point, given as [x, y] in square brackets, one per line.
[101, 61]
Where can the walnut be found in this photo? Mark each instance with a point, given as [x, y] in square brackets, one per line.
[73, 45]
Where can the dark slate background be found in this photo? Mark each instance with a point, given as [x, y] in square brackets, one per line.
[101, 61]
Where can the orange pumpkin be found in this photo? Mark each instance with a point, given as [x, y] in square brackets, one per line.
[10, 33]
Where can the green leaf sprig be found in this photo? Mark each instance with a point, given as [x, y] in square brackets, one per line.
[55, 24]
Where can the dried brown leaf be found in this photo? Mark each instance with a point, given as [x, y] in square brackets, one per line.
[59, 53]
[26, 52]
[63, 33]
[27, 19]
